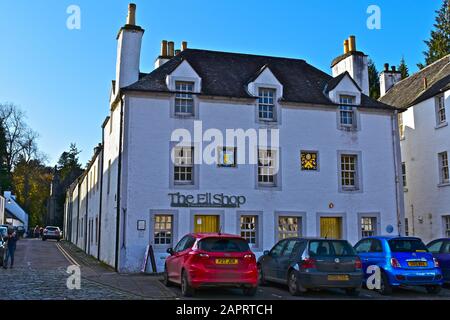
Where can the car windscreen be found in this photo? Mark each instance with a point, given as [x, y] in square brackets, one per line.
[330, 248]
[52, 229]
[3, 232]
[223, 245]
[407, 245]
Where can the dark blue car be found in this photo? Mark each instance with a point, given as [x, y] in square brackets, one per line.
[404, 261]
[441, 251]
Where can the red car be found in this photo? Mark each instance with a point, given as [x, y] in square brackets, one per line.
[211, 259]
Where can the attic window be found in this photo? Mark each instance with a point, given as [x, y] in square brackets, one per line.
[184, 101]
[346, 111]
[266, 104]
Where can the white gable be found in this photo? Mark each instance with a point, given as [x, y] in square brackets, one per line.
[265, 79]
[345, 87]
[184, 72]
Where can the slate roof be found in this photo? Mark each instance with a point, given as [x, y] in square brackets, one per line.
[412, 91]
[227, 75]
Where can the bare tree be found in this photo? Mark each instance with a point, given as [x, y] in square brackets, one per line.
[20, 139]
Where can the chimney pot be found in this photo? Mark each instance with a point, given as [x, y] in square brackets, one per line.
[183, 45]
[346, 46]
[177, 51]
[170, 49]
[386, 67]
[352, 43]
[394, 68]
[131, 19]
[164, 48]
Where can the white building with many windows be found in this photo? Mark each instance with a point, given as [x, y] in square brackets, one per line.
[425, 145]
[330, 165]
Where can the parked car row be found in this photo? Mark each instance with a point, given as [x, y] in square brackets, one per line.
[202, 260]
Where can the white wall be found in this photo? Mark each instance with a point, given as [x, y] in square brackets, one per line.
[423, 141]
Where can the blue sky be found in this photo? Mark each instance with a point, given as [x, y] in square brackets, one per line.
[61, 77]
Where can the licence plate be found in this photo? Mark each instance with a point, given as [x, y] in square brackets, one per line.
[226, 261]
[417, 264]
[338, 277]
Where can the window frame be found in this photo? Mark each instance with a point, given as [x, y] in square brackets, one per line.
[249, 234]
[219, 160]
[441, 115]
[404, 179]
[295, 234]
[184, 95]
[348, 108]
[191, 166]
[164, 230]
[446, 225]
[275, 176]
[444, 169]
[274, 103]
[353, 173]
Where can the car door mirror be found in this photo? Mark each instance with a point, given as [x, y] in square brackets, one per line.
[266, 252]
[170, 251]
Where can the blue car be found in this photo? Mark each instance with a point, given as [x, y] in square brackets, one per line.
[404, 261]
[440, 249]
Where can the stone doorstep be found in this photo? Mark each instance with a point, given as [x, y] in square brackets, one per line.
[143, 285]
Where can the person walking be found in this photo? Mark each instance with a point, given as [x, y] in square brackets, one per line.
[10, 248]
[36, 232]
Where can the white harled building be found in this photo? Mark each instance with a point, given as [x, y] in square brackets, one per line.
[335, 171]
[425, 145]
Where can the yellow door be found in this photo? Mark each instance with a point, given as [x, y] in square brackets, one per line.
[206, 223]
[331, 228]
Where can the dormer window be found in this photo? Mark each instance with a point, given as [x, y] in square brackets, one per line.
[266, 104]
[184, 101]
[347, 112]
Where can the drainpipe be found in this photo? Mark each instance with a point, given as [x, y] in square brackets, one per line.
[78, 212]
[87, 213]
[413, 224]
[119, 172]
[397, 167]
[101, 195]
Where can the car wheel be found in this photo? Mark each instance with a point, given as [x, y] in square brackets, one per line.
[186, 289]
[261, 278]
[166, 280]
[353, 292]
[433, 289]
[294, 285]
[250, 292]
[385, 286]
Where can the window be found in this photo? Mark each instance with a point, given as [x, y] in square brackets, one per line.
[248, 229]
[346, 112]
[162, 229]
[401, 126]
[447, 226]
[184, 165]
[435, 247]
[349, 172]
[184, 101]
[267, 167]
[289, 227]
[406, 227]
[308, 160]
[404, 173]
[368, 226]
[266, 104]
[443, 167]
[227, 157]
[278, 248]
[440, 110]
[363, 246]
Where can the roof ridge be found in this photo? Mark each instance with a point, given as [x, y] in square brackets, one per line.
[246, 54]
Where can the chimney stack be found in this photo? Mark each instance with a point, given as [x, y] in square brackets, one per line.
[170, 49]
[388, 78]
[354, 62]
[129, 42]
[131, 18]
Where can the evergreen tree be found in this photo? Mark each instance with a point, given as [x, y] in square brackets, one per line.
[374, 80]
[69, 164]
[439, 42]
[403, 68]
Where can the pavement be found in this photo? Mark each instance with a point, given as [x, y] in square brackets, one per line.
[40, 273]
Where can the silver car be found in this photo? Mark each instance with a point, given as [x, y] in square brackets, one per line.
[3, 234]
[51, 232]
[305, 264]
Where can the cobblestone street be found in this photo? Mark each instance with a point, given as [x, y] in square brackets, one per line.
[40, 273]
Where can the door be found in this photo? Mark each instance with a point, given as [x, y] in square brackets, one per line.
[288, 256]
[445, 260]
[362, 249]
[270, 262]
[181, 252]
[206, 223]
[331, 227]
